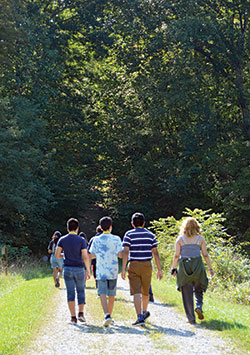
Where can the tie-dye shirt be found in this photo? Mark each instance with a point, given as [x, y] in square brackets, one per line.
[106, 247]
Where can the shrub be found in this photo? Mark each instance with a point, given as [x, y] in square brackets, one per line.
[231, 265]
[16, 254]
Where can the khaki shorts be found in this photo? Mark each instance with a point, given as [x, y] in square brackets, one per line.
[139, 274]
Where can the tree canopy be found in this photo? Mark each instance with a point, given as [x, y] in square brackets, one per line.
[130, 105]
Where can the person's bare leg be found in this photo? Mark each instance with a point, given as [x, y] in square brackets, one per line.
[80, 308]
[104, 303]
[111, 302]
[55, 274]
[137, 303]
[59, 272]
[72, 308]
[145, 300]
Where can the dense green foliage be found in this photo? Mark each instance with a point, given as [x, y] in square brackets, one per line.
[139, 105]
[231, 265]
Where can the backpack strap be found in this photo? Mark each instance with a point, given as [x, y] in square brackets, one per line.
[198, 239]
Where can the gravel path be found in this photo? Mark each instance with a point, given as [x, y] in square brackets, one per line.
[166, 333]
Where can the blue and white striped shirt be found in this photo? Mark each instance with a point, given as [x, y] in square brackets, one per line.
[140, 242]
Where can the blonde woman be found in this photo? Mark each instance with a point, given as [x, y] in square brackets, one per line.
[191, 274]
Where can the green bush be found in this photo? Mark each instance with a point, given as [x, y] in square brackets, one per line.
[18, 255]
[231, 265]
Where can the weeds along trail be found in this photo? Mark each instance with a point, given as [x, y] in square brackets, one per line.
[166, 332]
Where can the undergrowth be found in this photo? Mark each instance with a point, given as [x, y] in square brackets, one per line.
[231, 265]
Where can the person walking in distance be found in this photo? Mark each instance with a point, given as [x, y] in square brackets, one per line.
[74, 248]
[93, 261]
[56, 264]
[191, 275]
[106, 248]
[139, 247]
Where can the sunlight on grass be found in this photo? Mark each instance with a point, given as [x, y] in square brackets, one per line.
[23, 305]
[231, 321]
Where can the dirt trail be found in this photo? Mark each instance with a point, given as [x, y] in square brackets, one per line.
[166, 333]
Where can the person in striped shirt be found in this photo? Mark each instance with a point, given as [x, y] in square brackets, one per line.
[139, 246]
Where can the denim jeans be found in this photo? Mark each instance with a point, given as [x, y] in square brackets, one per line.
[74, 278]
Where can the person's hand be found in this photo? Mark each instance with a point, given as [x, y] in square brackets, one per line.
[159, 275]
[87, 275]
[124, 275]
[211, 272]
[173, 272]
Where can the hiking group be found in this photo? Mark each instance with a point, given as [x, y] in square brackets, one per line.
[137, 249]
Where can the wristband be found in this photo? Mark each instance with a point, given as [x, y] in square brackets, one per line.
[173, 271]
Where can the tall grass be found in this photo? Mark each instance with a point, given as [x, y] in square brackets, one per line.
[25, 294]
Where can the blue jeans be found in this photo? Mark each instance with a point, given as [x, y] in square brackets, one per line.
[74, 278]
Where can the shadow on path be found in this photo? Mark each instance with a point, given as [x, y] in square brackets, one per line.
[118, 299]
[163, 304]
[170, 331]
[120, 329]
[123, 288]
[215, 324]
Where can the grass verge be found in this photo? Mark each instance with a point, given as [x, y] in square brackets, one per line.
[231, 321]
[24, 301]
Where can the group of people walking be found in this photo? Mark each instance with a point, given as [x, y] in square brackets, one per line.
[137, 249]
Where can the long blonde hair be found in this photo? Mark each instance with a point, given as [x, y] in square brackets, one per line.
[190, 227]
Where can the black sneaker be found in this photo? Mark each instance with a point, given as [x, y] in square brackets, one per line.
[146, 314]
[57, 282]
[73, 320]
[139, 322]
[107, 321]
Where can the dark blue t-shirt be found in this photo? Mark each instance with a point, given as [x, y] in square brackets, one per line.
[72, 246]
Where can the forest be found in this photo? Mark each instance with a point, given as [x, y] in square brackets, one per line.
[122, 106]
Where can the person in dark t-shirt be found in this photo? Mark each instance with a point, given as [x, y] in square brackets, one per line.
[93, 261]
[75, 256]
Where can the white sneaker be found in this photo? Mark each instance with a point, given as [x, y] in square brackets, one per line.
[107, 321]
[81, 318]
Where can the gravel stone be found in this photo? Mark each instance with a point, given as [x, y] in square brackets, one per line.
[166, 332]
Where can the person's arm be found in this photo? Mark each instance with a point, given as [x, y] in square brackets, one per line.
[86, 262]
[91, 256]
[176, 257]
[58, 252]
[50, 247]
[119, 249]
[158, 263]
[91, 249]
[206, 257]
[124, 261]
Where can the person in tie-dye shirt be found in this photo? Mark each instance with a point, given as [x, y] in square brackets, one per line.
[106, 248]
